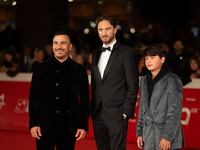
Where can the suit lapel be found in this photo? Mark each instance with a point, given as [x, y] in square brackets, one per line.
[146, 98]
[96, 68]
[111, 59]
[157, 91]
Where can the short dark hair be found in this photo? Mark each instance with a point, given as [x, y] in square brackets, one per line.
[156, 49]
[62, 33]
[109, 18]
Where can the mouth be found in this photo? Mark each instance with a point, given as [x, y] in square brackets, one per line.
[59, 51]
[149, 65]
[105, 37]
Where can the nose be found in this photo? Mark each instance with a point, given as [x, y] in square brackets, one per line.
[58, 45]
[104, 32]
[147, 61]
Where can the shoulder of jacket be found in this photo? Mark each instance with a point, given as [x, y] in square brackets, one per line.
[96, 50]
[45, 63]
[173, 78]
[126, 50]
[77, 65]
[171, 75]
[143, 78]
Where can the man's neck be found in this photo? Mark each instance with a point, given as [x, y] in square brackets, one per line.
[155, 72]
[62, 60]
[106, 45]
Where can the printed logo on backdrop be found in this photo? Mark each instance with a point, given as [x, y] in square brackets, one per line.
[190, 99]
[187, 112]
[21, 106]
[2, 103]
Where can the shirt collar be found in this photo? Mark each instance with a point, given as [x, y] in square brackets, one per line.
[111, 45]
[59, 64]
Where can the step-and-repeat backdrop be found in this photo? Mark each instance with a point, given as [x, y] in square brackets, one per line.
[14, 93]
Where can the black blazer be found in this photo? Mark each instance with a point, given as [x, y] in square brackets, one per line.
[41, 97]
[117, 91]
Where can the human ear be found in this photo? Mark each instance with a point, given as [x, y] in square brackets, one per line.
[70, 46]
[162, 60]
[115, 30]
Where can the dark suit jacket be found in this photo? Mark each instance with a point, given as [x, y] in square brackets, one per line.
[41, 98]
[117, 91]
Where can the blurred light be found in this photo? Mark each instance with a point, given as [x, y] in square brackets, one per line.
[129, 3]
[92, 24]
[100, 2]
[70, 0]
[118, 27]
[5, 0]
[14, 3]
[84, 6]
[195, 31]
[129, 6]
[143, 31]
[126, 36]
[132, 30]
[150, 26]
[86, 31]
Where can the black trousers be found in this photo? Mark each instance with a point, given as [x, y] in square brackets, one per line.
[58, 136]
[110, 135]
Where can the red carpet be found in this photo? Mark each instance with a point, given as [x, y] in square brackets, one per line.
[14, 140]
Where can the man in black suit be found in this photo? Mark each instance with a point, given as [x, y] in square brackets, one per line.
[59, 99]
[114, 87]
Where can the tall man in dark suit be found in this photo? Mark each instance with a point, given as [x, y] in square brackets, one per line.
[114, 87]
[59, 99]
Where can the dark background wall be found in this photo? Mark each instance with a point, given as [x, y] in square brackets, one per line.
[37, 20]
[154, 20]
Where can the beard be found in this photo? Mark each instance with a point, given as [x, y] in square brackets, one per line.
[109, 40]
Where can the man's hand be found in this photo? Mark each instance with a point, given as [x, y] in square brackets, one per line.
[125, 116]
[80, 134]
[140, 141]
[36, 132]
[164, 144]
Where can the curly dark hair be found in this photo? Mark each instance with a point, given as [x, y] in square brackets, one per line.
[109, 18]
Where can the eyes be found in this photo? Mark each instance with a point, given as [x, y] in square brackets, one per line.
[106, 29]
[62, 42]
[149, 57]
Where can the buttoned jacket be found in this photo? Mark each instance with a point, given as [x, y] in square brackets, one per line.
[162, 119]
[42, 98]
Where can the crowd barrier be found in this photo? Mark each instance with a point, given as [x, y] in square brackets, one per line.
[14, 92]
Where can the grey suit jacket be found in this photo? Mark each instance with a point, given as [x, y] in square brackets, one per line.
[162, 119]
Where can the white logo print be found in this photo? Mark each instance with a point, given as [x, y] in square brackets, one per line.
[21, 106]
[2, 103]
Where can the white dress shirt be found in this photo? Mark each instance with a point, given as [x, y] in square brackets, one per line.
[103, 60]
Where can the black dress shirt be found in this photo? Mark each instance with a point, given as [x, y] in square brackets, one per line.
[62, 88]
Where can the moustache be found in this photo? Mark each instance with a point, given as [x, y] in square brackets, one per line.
[59, 49]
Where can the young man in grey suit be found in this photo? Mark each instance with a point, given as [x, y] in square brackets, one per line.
[114, 87]
[161, 95]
